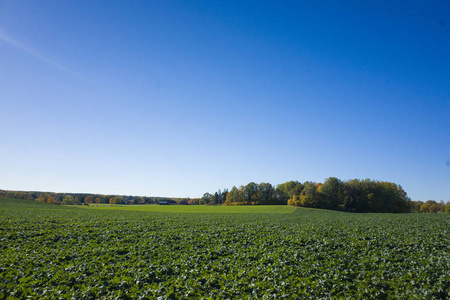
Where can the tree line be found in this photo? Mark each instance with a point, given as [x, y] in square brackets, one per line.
[85, 198]
[352, 196]
[430, 206]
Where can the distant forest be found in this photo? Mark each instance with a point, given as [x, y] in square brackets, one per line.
[352, 196]
[84, 198]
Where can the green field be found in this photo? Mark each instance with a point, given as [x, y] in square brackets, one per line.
[191, 252]
[200, 209]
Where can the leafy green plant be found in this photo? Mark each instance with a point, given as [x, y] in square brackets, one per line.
[50, 252]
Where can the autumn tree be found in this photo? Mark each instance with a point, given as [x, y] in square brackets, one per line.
[424, 208]
[447, 208]
[308, 196]
[430, 206]
[229, 197]
[234, 195]
[223, 196]
[295, 200]
[287, 190]
[88, 200]
[433, 207]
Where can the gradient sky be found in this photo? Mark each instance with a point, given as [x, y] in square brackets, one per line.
[178, 98]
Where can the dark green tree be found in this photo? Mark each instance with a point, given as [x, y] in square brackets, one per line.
[250, 193]
[331, 193]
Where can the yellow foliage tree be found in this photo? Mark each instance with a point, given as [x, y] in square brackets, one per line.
[88, 200]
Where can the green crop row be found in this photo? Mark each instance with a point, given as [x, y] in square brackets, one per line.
[54, 252]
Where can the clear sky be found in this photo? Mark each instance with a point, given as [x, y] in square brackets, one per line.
[178, 98]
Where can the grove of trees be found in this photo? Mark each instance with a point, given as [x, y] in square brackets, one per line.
[430, 206]
[353, 196]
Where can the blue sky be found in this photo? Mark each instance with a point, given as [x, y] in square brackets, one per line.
[178, 98]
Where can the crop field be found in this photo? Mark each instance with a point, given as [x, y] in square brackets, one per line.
[274, 209]
[155, 252]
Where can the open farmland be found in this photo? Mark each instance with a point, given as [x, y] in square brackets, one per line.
[50, 251]
[271, 209]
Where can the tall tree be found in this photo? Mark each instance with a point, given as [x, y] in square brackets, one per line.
[234, 195]
[331, 193]
[214, 199]
[308, 197]
[266, 194]
[206, 198]
[250, 193]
